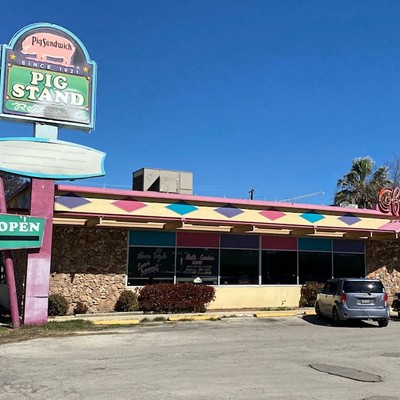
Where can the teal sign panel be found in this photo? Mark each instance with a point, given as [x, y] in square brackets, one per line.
[21, 232]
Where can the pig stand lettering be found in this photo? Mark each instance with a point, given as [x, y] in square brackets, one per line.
[53, 90]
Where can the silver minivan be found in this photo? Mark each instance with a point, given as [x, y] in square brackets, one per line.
[353, 298]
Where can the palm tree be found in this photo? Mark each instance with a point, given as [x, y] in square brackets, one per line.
[394, 171]
[361, 185]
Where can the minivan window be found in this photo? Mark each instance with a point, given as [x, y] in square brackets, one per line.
[326, 287]
[334, 287]
[362, 287]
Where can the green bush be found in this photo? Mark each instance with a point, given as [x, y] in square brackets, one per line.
[80, 308]
[127, 301]
[170, 298]
[58, 305]
[308, 293]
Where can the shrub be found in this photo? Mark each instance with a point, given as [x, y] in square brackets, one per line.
[170, 298]
[80, 308]
[58, 305]
[127, 301]
[308, 293]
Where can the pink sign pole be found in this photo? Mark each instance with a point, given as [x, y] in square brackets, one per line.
[37, 281]
[39, 261]
[8, 263]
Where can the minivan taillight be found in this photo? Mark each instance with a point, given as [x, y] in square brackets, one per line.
[385, 298]
[343, 298]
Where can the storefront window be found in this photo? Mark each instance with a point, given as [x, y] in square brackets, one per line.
[315, 266]
[237, 259]
[150, 265]
[348, 265]
[279, 267]
[197, 263]
[239, 267]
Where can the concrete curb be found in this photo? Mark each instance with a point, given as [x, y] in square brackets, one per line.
[136, 318]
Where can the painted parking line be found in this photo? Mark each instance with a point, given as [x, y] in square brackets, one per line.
[117, 322]
[193, 318]
[271, 314]
[275, 314]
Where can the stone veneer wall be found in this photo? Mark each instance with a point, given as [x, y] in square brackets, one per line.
[89, 266]
[383, 262]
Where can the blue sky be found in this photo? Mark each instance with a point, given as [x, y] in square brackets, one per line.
[275, 95]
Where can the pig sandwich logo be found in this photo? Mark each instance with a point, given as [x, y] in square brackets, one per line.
[48, 47]
[47, 76]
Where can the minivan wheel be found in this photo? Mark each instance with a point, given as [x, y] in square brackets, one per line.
[318, 311]
[335, 317]
[383, 322]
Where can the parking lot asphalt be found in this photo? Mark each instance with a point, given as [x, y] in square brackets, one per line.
[243, 358]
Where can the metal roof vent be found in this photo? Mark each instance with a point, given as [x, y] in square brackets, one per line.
[164, 181]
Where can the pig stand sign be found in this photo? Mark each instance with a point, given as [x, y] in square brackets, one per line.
[47, 77]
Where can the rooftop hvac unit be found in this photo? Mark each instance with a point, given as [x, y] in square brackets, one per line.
[346, 204]
[161, 180]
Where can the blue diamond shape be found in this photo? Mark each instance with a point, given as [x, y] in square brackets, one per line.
[229, 211]
[71, 200]
[349, 219]
[312, 216]
[182, 208]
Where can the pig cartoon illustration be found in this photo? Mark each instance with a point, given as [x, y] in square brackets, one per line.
[48, 47]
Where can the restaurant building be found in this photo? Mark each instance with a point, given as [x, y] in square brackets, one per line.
[255, 253]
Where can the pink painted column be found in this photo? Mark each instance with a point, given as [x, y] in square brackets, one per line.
[39, 260]
[9, 265]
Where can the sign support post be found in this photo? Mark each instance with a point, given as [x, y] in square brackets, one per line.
[39, 260]
[8, 263]
[46, 131]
